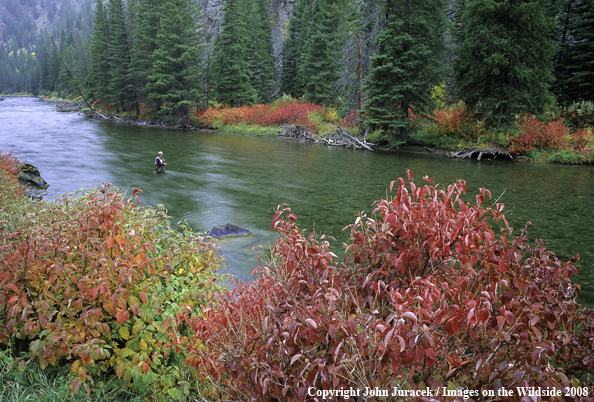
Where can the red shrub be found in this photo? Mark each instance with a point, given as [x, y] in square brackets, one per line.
[582, 141]
[9, 164]
[428, 296]
[535, 135]
[351, 120]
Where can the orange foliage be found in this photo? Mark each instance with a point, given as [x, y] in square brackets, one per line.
[281, 112]
[536, 135]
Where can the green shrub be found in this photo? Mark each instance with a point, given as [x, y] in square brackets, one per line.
[91, 281]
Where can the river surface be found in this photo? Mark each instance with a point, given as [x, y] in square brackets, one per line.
[213, 179]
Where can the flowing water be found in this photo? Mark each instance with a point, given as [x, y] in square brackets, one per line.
[213, 179]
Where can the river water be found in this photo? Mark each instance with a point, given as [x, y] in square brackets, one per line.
[214, 179]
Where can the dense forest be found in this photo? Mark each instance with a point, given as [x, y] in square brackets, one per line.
[383, 58]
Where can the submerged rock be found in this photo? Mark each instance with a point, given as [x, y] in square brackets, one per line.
[228, 230]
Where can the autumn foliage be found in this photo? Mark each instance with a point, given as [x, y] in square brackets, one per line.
[281, 112]
[555, 135]
[90, 281]
[428, 295]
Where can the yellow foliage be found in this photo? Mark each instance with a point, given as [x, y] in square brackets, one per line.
[439, 95]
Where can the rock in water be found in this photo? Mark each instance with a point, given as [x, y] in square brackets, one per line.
[228, 230]
[29, 176]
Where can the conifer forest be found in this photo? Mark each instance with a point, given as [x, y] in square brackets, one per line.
[381, 58]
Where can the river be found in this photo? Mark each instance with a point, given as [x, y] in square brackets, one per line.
[213, 179]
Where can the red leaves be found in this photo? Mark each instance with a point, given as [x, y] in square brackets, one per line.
[281, 112]
[535, 135]
[427, 293]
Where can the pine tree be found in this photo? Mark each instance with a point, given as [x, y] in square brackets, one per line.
[505, 52]
[574, 61]
[173, 82]
[408, 63]
[44, 70]
[232, 73]
[146, 25]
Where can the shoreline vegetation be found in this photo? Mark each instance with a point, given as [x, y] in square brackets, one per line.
[101, 300]
[563, 137]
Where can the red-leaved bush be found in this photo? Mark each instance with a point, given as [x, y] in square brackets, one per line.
[279, 113]
[535, 135]
[454, 121]
[427, 296]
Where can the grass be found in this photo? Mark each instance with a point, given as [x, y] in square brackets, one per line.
[249, 130]
[27, 381]
[565, 157]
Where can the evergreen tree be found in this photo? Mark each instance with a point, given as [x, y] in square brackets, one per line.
[172, 85]
[44, 70]
[293, 49]
[504, 59]
[574, 61]
[321, 68]
[119, 85]
[99, 69]
[231, 67]
[408, 63]
[146, 25]
[261, 53]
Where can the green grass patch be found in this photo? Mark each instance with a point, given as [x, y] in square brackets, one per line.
[249, 130]
[27, 381]
[564, 157]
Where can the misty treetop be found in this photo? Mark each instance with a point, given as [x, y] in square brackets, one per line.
[381, 58]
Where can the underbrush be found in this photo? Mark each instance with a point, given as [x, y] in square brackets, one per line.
[550, 139]
[26, 381]
[287, 111]
[91, 282]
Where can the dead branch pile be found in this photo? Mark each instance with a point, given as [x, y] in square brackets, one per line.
[342, 139]
[297, 133]
[479, 153]
[338, 138]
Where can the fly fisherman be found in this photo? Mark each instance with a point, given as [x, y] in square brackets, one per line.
[160, 163]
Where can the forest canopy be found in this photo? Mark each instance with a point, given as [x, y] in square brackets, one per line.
[380, 58]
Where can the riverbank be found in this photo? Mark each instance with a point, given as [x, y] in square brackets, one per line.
[448, 132]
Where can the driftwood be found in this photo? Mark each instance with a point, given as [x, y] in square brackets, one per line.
[297, 133]
[490, 152]
[340, 138]
[337, 138]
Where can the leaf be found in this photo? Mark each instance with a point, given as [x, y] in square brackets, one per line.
[410, 315]
[124, 332]
[311, 323]
[122, 316]
[125, 352]
[120, 369]
[294, 358]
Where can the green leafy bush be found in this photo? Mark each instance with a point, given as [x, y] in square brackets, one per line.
[90, 281]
